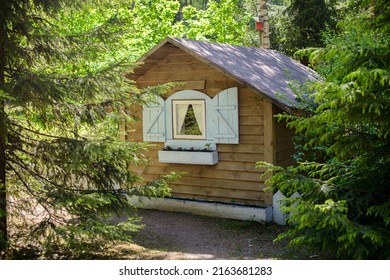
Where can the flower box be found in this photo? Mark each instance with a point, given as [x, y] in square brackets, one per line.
[188, 157]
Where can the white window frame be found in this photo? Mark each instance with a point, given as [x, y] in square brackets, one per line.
[202, 125]
[221, 120]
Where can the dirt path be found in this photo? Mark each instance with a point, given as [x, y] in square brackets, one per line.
[169, 235]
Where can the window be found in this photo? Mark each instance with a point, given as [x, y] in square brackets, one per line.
[189, 119]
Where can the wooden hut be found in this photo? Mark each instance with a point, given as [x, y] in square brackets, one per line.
[217, 123]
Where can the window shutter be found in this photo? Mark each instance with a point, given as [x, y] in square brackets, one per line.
[153, 117]
[225, 117]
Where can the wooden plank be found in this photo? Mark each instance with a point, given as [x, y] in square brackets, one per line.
[122, 129]
[251, 130]
[196, 173]
[186, 84]
[222, 165]
[222, 185]
[211, 183]
[251, 111]
[180, 52]
[252, 139]
[182, 58]
[241, 148]
[210, 91]
[178, 67]
[194, 84]
[269, 139]
[221, 83]
[232, 193]
[156, 51]
[241, 157]
[230, 175]
[251, 101]
[236, 166]
[163, 77]
[248, 202]
[251, 120]
[269, 134]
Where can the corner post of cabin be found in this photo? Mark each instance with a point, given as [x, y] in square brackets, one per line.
[263, 18]
[269, 142]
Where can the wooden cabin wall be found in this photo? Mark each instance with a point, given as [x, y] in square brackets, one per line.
[284, 142]
[234, 179]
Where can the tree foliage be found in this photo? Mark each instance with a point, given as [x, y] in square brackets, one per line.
[343, 144]
[298, 24]
[63, 93]
[224, 21]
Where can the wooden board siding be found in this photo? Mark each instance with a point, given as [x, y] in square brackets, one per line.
[284, 143]
[234, 178]
[269, 141]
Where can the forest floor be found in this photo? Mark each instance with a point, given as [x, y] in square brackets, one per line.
[182, 236]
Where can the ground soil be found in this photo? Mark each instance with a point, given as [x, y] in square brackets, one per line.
[172, 236]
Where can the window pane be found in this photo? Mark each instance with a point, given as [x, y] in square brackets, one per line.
[190, 125]
[189, 119]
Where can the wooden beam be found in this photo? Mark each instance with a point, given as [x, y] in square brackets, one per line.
[269, 142]
[195, 84]
[269, 134]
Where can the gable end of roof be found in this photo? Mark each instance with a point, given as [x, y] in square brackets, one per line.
[267, 72]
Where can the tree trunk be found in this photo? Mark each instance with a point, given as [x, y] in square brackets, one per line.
[3, 193]
[3, 141]
[263, 17]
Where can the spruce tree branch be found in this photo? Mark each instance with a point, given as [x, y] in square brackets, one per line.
[33, 155]
[64, 187]
[36, 175]
[36, 196]
[320, 182]
[42, 134]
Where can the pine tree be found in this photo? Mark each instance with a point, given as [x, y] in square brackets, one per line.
[343, 145]
[300, 24]
[63, 92]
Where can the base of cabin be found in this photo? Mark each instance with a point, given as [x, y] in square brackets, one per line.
[213, 209]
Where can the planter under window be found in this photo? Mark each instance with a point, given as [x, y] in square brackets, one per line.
[188, 157]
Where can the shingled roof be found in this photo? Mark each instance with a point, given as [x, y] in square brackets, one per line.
[267, 72]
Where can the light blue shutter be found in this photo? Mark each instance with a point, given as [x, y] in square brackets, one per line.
[153, 117]
[225, 117]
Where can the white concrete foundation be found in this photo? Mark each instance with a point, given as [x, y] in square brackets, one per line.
[278, 215]
[228, 211]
